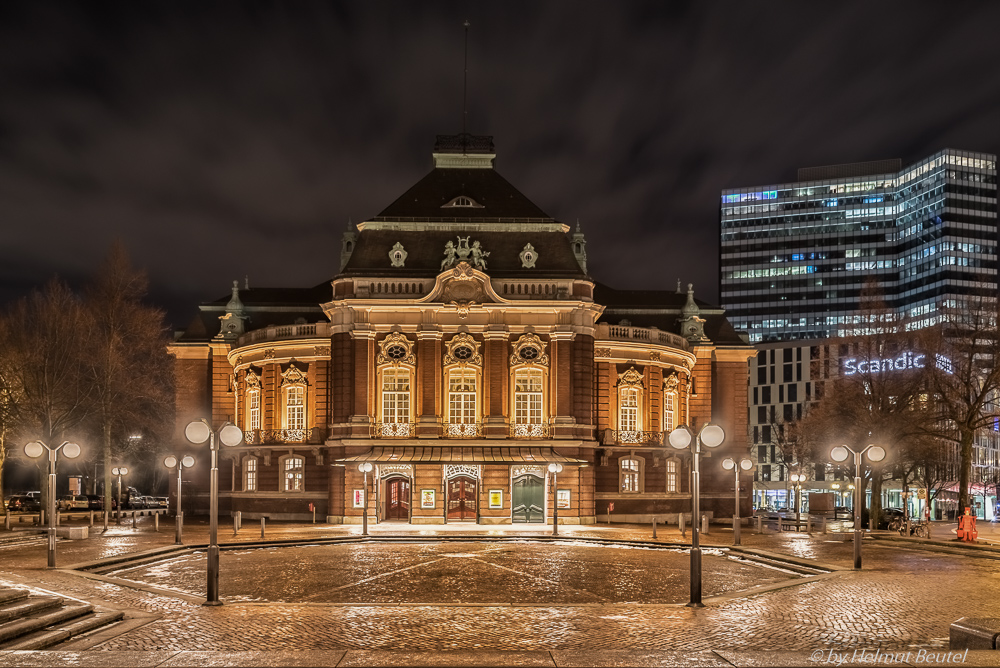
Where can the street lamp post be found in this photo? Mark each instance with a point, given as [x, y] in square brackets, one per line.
[875, 454]
[198, 432]
[731, 464]
[554, 469]
[797, 480]
[364, 467]
[119, 471]
[710, 436]
[35, 450]
[185, 463]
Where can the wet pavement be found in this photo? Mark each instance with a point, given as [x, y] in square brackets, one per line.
[525, 596]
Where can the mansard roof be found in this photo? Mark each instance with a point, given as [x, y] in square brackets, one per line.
[425, 251]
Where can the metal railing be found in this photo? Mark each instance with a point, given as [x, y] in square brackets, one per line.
[527, 430]
[393, 429]
[633, 437]
[458, 430]
[272, 436]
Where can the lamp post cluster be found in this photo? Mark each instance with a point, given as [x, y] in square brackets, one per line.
[229, 434]
[840, 454]
[119, 471]
[711, 436]
[35, 449]
[185, 463]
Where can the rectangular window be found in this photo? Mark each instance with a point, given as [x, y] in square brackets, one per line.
[761, 454]
[765, 433]
[762, 415]
[395, 395]
[798, 371]
[253, 403]
[669, 405]
[765, 472]
[761, 375]
[755, 396]
[628, 409]
[462, 396]
[250, 475]
[671, 476]
[295, 407]
[788, 413]
[528, 396]
[781, 394]
[793, 392]
[786, 373]
[629, 475]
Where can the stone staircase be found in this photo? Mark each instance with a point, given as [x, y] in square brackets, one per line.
[39, 622]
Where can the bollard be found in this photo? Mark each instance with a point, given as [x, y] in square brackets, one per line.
[58, 517]
[654, 528]
[779, 524]
[736, 529]
[704, 524]
[823, 525]
[314, 514]
[41, 517]
[760, 524]
[133, 519]
[239, 519]
[680, 523]
[91, 518]
[236, 523]
[809, 524]
[156, 521]
[262, 527]
[6, 521]
[928, 529]
[105, 520]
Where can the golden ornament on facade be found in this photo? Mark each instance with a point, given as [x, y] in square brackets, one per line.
[323, 351]
[529, 349]
[463, 350]
[294, 376]
[632, 377]
[654, 355]
[269, 354]
[396, 349]
[602, 352]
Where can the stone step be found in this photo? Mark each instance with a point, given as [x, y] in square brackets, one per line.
[33, 623]
[62, 632]
[27, 606]
[9, 595]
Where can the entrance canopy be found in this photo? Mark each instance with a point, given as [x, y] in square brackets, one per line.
[438, 455]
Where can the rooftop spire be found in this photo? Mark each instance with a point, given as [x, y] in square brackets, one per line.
[465, 83]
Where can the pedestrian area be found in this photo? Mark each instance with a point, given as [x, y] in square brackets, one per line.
[475, 595]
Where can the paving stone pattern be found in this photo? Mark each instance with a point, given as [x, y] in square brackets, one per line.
[904, 599]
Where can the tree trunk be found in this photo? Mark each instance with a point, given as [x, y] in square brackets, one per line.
[107, 465]
[965, 470]
[875, 507]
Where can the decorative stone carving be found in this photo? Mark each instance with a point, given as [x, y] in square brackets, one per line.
[631, 377]
[239, 360]
[269, 354]
[384, 470]
[654, 355]
[252, 379]
[528, 256]
[692, 326]
[527, 469]
[464, 253]
[670, 382]
[462, 289]
[233, 321]
[455, 470]
[529, 349]
[396, 349]
[318, 454]
[602, 352]
[322, 351]
[294, 376]
[398, 255]
[463, 350]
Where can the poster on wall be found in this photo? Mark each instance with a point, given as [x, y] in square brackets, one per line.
[359, 498]
[496, 498]
[563, 498]
[427, 498]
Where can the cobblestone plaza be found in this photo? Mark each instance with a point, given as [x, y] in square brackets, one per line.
[481, 589]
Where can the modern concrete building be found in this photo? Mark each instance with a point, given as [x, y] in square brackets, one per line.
[460, 347]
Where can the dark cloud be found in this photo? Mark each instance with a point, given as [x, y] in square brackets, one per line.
[229, 139]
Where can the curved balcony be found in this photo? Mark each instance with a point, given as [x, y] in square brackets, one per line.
[277, 333]
[608, 332]
[313, 436]
[612, 437]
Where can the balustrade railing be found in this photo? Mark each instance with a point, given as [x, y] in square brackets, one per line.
[633, 437]
[275, 332]
[607, 331]
[272, 436]
[527, 430]
[460, 430]
[393, 430]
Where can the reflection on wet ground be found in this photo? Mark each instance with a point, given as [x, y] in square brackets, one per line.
[521, 573]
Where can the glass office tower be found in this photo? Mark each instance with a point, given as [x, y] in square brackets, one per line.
[795, 256]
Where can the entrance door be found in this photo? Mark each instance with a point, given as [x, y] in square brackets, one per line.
[462, 499]
[528, 499]
[397, 499]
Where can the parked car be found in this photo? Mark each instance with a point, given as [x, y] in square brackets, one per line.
[95, 502]
[888, 515]
[73, 502]
[161, 502]
[842, 513]
[24, 504]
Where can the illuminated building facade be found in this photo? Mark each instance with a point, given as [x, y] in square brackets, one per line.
[461, 348]
[794, 256]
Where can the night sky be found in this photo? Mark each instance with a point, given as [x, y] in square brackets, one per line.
[221, 140]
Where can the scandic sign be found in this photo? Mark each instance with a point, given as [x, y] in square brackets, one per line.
[905, 361]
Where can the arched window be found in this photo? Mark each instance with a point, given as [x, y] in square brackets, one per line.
[249, 474]
[673, 468]
[293, 468]
[630, 475]
[669, 410]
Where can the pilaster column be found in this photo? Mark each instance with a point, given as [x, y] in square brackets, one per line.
[560, 361]
[429, 383]
[496, 381]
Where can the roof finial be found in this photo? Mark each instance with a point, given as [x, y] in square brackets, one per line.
[678, 286]
[465, 84]
[577, 225]
[246, 282]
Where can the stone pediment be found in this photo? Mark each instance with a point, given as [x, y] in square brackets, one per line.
[463, 287]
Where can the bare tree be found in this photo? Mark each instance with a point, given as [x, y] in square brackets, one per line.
[965, 378]
[128, 367]
[42, 353]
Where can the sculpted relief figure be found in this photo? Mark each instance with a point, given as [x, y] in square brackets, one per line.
[449, 256]
[479, 256]
[462, 252]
